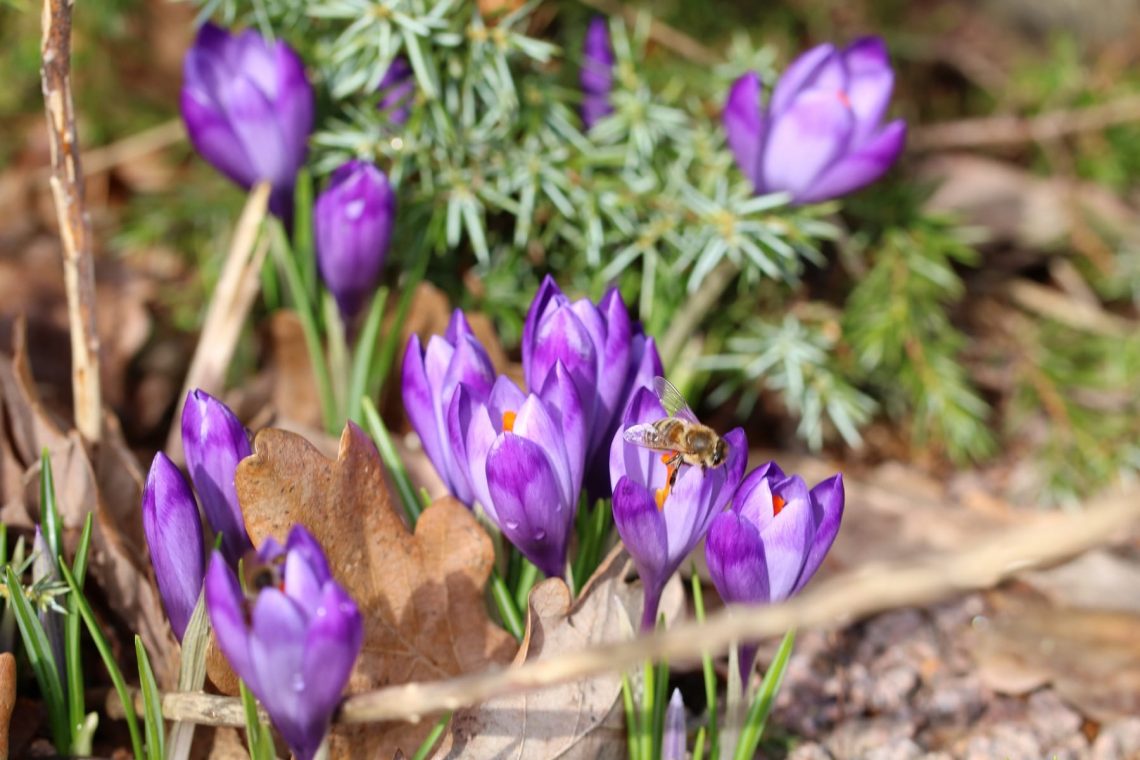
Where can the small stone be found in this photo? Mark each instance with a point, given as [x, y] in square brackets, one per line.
[810, 751]
[860, 736]
[1119, 740]
[1005, 741]
[891, 690]
[1053, 720]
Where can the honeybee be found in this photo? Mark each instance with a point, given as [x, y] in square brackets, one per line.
[680, 435]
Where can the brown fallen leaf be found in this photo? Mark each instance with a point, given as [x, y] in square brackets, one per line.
[1091, 658]
[104, 480]
[1092, 581]
[7, 698]
[572, 720]
[421, 593]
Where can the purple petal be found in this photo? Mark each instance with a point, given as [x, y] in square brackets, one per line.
[787, 539]
[211, 135]
[420, 403]
[475, 419]
[562, 401]
[332, 645]
[173, 533]
[294, 104]
[562, 336]
[613, 365]
[276, 652]
[737, 565]
[801, 74]
[699, 495]
[869, 86]
[215, 442]
[549, 294]
[673, 742]
[744, 126]
[536, 424]
[756, 507]
[827, 502]
[642, 529]
[594, 108]
[596, 76]
[225, 604]
[860, 168]
[528, 503]
[804, 140]
[642, 465]
[457, 327]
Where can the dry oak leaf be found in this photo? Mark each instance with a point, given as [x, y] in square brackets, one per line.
[570, 720]
[421, 593]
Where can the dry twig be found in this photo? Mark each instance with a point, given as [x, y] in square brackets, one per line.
[74, 226]
[660, 32]
[233, 297]
[850, 596]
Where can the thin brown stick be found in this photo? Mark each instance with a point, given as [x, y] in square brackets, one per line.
[233, 297]
[689, 317]
[74, 226]
[850, 596]
[996, 131]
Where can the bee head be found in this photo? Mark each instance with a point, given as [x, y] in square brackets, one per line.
[720, 453]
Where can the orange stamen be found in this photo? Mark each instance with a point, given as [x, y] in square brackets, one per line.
[509, 422]
[777, 504]
[666, 457]
[846, 101]
[663, 493]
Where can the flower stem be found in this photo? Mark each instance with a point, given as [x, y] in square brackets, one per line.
[392, 460]
[362, 355]
[505, 603]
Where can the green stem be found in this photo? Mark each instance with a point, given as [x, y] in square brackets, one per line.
[528, 575]
[362, 354]
[337, 352]
[505, 603]
[765, 697]
[632, 730]
[707, 667]
[303, 231]
[395, 465]
[430, 741]
[305, 312]
[76, 707]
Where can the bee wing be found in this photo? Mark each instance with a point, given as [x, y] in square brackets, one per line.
[672, 400]
[642, 435]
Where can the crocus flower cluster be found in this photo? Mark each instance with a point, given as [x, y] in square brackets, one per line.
[293, 642]
[214, 441]
[248, 109]
[352, 224]
[821, 134]
[660, 533]
[524, 456]
[597, 73]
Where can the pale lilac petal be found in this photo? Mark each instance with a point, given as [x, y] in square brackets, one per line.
[549, 296]
[225, 604]
[561, 336]
[596, 75]
[562, 401]
[861, 168]
[276, 653]
[536, 424]
[827, 502]
[736, 560]
[673, 742]
[787, 539]
[802, 74]
[804, 140]
[642, 465]
[745, 124]
[870, 83]
[173, 533]
[332, 644]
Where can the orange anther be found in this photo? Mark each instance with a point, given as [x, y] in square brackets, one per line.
[660, 496]
[509, 422]
[842, 95]
[777, 504]
[666, 457]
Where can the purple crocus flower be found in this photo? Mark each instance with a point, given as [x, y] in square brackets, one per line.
[248, 108]
[396, 91]
[659, 527]
[769, 545]
[673, 742]
[352, 224]
[173, 533]
[597, 73]
[214, 441]
[429, 382]
[821, 134]
[525, 454]
[605, 353]
[295, 643]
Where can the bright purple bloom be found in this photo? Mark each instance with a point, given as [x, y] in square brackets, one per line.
[214, 441]
[769, 545]
[248, 108]
[597, 73]
[673, 742]
[821, 134]
[606, 355]
[397, 89]
[525, 455]
[659, 538]
[173, 533]
[429, 382]
[295, 644]
[352, 225]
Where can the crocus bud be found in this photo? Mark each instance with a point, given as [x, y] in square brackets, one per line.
[293, 643]
[214, 441]
[605, 353]
[396, 91]
[659, 525]
[248, 108]
[673, 742]
[352, 224]
[173, 533]
[429, 381]
[597, 73]
[821, 134]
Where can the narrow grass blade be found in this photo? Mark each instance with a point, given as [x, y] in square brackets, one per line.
[429, 743]
[49, 511]
[392, 461]
[765, 696]
[303, 232]
[152, 705]
[108, 657]
[660, 701]
[363, 353]
[38, 651]
[505, 602]
[257, 733]
[528, 575]
[632, 724]
[76, 707]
